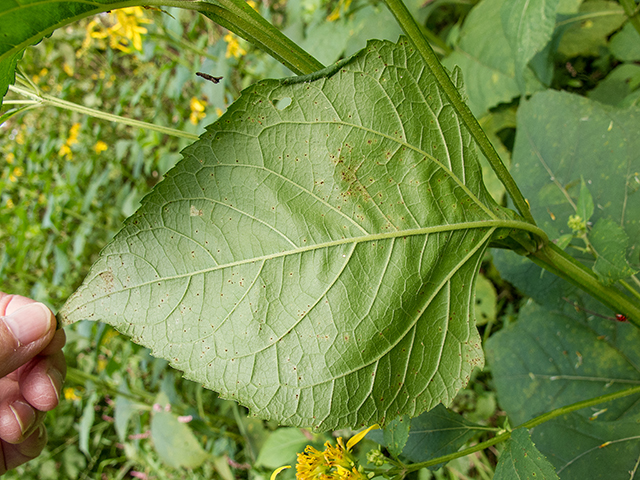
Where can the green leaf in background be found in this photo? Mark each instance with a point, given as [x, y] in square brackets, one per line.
[281, 447]
[314, 255]
[548, 359]
[528, 26]
[85, 424]
[625, 45]
[485, 307]
[610, 242]
[25, 22]
[433, 434]
[619, 85]
[174, 441]
[581, 448]
[562, 138]
[396, 435]
[520, 459]
[484, 55]
[588, 30]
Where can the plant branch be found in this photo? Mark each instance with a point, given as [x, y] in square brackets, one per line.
[555, 260]
[413, 31]
[530, 424]
[44, 100]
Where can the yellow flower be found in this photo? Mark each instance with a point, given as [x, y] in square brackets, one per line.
[343, 5]
[334, 463]
[10, 204]
[127, 32]
[65, 151]
[197, 110]
[100, 147]
[10, 158]
[15, 174]
[124, 34]
[70, 394]
[73, 134]
[233, 46]
[68, 69]
[219, 111]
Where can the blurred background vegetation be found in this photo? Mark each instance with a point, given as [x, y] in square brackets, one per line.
[69, 180]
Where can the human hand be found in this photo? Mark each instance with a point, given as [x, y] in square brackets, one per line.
[32, 371]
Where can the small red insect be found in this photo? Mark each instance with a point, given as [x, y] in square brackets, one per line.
[620, 317]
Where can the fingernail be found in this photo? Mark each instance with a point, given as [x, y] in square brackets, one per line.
[29, 323]
[55, 377]
[25, 416]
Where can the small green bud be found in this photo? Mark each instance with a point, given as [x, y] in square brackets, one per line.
[376, 457]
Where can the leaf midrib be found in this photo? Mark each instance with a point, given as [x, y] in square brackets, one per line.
[512, 224]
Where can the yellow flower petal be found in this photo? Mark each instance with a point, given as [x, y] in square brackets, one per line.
[359, 436]
[278, 470]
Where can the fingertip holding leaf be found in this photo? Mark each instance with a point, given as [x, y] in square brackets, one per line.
[327, 280]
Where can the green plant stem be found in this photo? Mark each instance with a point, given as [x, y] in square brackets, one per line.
[48, 100]
[630, 9]
[555, 260]
[530, 424]
[413, 31]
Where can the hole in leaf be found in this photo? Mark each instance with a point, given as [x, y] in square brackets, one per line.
[282, 103]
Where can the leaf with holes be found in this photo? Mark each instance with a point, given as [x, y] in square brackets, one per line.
[314, 254]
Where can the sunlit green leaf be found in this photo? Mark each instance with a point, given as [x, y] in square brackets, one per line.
[314, 254]
[521, 460]
[281, 447]
[396, 435]
[528, 26]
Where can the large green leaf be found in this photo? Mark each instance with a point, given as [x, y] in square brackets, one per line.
[314, 255]
[549, 359]
[25, 22]
[520, 459]
[528, 26]
[562, 138]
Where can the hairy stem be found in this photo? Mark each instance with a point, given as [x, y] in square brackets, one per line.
[555, 260]
[413, 31]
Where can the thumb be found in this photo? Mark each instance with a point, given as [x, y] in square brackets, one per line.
[23, 334]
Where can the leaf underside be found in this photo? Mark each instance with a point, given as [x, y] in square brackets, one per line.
[316, 260]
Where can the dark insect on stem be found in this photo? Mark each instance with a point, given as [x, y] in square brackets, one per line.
[619, 317]
[211, 78]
